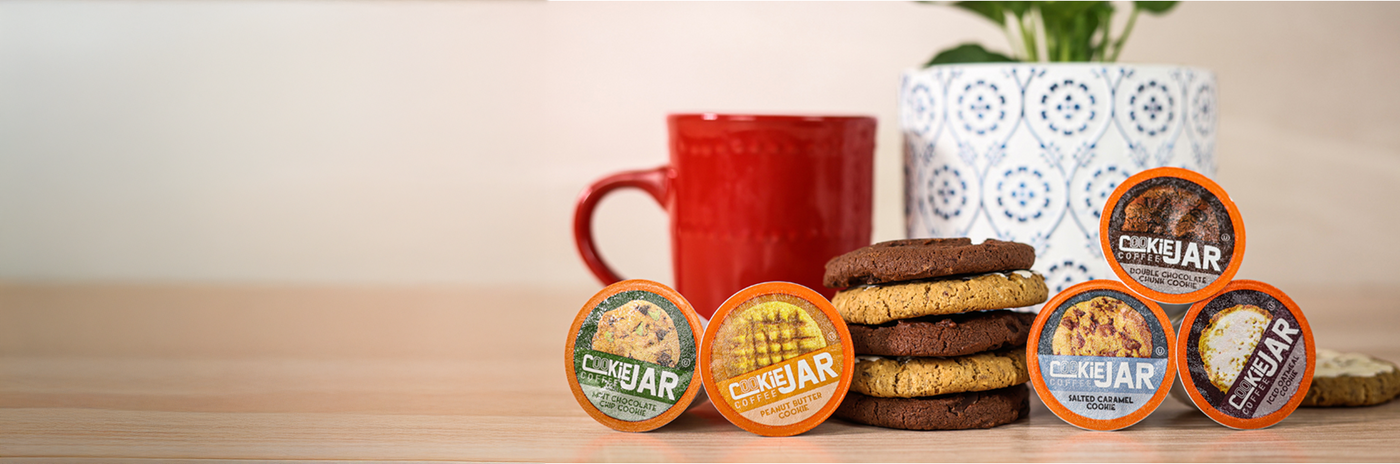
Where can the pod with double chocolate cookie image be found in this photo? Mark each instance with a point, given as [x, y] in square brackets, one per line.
[1172, 235]
[936, 347]
[1100, 357]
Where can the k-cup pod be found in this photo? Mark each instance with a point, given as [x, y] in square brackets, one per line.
[1172, 235]
[1100, 357]
[1246, 355]
[631, 356]
[777, 359]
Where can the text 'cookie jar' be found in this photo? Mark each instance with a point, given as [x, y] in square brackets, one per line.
[631, 356]
[776, 359]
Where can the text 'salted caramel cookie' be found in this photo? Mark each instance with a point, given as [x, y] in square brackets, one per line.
[1172, 235]
[1099, 356]
[777, 359]
[1246, 356]
[632, 354]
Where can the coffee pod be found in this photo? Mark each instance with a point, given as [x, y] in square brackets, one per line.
[1172, 235]
[1246, 355]
[1100, 357]
[631, 355]
[777, 359]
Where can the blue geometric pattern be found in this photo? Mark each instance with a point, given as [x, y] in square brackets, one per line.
[1031, 152]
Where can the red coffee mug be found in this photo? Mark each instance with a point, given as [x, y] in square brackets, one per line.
[751, 199]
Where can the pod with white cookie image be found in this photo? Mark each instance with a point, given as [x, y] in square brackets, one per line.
[1246, 356]
[1100, 357]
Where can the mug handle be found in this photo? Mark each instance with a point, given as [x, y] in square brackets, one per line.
[653, 181]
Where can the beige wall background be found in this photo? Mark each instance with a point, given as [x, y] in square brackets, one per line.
[429, 142]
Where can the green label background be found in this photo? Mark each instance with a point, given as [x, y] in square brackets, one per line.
[583, 344]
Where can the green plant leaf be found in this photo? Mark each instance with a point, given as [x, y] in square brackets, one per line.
[1156, 8]
[968, 53]
[989, 10]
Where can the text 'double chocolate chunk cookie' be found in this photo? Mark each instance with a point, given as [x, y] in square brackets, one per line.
[953, 335]
[914, 259]
[958, 411]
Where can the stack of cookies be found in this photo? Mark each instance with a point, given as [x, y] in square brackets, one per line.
[936, 348]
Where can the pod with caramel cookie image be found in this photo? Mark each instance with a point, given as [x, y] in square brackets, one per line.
[776, 359]
[1100, 357]
[1172, 235]
[631, 356]
[1246, 355]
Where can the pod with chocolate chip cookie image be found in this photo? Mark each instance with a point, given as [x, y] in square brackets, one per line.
[632, 354]
[776, 359]
[1245, 355]
[1100, 357]
[1172, 235]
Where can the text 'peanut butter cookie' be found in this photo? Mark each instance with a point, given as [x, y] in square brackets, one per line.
[777, 359]
[1100, 357]
[632, 355]
[1246, 356]
[937, 348]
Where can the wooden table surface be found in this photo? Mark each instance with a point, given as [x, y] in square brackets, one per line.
[477, 374]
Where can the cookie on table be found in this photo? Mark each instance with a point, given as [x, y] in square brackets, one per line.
[1351, 379]
[1102, 326]
[913, 377]
[997, 290]
[958, 411]
[915, 259]
[943, 336]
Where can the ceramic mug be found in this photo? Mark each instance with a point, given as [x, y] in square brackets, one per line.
[751, 199]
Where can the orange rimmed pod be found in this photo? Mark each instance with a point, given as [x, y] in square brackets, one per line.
[1172, 235]
[1246, 355]
[1100, 357]
[777, 359]
[632, 354]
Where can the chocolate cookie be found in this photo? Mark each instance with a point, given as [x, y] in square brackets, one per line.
[949, 295]
[954, 335]
[958, 411]
[904, 260]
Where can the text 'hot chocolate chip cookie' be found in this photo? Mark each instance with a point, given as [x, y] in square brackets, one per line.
[1245, 355]
[939, 349]
[1099, 356]
[1351, 379]
[632, 355]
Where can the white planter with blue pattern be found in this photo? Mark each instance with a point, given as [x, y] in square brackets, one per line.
[1030, 152]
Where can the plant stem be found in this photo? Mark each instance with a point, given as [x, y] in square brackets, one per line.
[1105, 21]
[1118, 45]
[1028, 36]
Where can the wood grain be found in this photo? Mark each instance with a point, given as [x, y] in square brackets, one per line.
[476, 374]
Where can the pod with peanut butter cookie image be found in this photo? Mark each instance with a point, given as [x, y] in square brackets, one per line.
[631, 357]
[776, 359]
[1100, 357]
